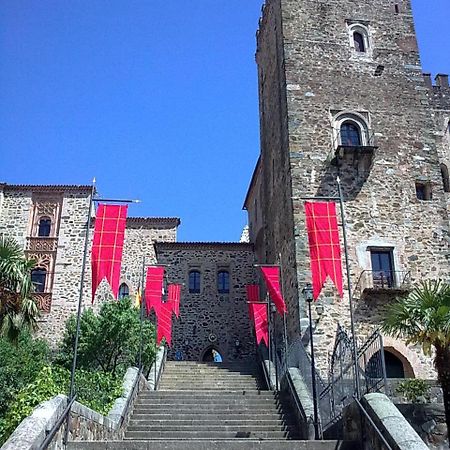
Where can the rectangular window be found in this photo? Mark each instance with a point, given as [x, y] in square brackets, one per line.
[423, 191]
[382, 268]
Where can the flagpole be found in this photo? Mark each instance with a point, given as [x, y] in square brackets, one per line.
[349, 283]
[141, 313]
[80, 301]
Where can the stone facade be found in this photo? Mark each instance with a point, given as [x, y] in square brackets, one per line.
[61, 252]
[312, 81]
[210, 319]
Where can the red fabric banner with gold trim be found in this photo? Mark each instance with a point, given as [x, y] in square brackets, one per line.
[173, 297]
[324, 245]
[258, 314]
[107, 246]
[271, 275]
[153, 288]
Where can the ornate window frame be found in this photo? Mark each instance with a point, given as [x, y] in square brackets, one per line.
[357, 118]
[364, 30]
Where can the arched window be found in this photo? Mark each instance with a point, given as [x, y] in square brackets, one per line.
[359, 42]
[194, 282]
[124, 290]
[223, 282]
[445, 178]
[38, 277]
[45, 226]
[350, 134]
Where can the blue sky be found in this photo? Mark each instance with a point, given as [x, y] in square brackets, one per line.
[157, 99]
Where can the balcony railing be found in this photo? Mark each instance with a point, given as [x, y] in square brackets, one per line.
[383, 281]
[353, 147]
[42, 244]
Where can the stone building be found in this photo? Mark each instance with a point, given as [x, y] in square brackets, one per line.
[213, 309]
[50, 223]
[341, 93]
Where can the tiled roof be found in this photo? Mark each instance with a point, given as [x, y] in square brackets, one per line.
[46, 187]
[203, 245]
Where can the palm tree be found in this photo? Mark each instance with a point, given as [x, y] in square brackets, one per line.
[423, 317]
[17, 308]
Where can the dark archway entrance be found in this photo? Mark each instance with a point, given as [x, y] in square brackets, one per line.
[211, 354]
[394, 366]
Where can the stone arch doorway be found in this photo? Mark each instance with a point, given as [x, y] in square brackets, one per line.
[211, 354]
[397, 366]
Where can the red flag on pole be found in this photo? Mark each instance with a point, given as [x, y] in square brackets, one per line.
[173, 297]
[271, 276]
[153, 288]
[258, 314]
[324, 245]
[107, 246]
[164, 328]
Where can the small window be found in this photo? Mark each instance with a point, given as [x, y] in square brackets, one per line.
[445, 178]
[124, 291]
[397, 8]
[223, 282]
[358, 40]
[45, 226]
[38, 277]
[382, 268]
[194, 282]
[423, 191]
[350, 134]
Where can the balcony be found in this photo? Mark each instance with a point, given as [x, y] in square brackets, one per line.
[352, 149]
[391, 283]
[42, 244]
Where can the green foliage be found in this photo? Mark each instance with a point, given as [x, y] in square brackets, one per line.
[17, 309]
[109, 340]
[413, 389]
[97, 390]
[20, 364]
[423, 317]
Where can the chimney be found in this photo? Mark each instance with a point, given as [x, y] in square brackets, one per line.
[442, 80]
[427, 79]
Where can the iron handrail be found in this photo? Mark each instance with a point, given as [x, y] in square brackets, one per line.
[390, 279]
[264, 369]
[372, 423]
[161, 369]
[51, 434]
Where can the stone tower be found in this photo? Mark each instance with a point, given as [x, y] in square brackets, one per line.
[341, 93]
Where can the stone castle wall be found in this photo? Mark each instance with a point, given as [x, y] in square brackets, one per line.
[210, 319]
[322, 78]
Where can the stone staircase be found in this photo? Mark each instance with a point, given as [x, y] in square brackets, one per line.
[210, 406]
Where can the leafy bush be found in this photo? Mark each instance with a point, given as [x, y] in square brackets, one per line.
[110, 340]
[20, 364]
[413, 388]
[97, 390]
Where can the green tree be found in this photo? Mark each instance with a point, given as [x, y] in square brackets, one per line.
[109, 340]
[17, 308]
[423, 317]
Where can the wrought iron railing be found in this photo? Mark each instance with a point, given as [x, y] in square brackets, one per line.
[365, 140]
[382, 280]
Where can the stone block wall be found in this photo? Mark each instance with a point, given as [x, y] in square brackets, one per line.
[210, 319]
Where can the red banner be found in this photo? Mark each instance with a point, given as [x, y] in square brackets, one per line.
[258, 314]
[271, 276]
[153, 288]
[164, 328]
[107, 246]
[173, 297]
[324, 245]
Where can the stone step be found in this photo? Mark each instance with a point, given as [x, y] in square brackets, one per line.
[212, 428]
[269, 422]
[221, 416]
[206, 401]
[233, 409]
[235, 444]
[156, 435]
[200, 396]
